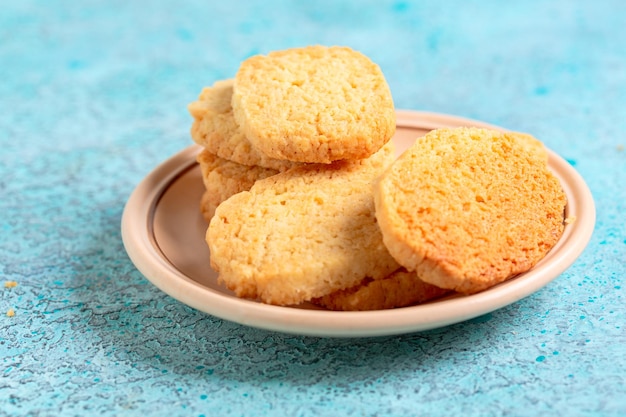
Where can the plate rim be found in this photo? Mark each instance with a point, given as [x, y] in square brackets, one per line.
[143, 250]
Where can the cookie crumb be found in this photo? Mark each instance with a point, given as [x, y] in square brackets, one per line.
[10, 284]
[10, 313]
[619, 147]
[569, 220]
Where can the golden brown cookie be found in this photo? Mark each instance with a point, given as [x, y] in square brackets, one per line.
[400, 289]
[468, 208]
[215, 129]
[223, 178]
[302, 233]
[314, 104]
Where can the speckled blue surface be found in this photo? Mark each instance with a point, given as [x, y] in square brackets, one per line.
[93, 96]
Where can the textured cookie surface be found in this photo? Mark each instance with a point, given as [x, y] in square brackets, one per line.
[314, 104]
[400, 289]
[223, 178]
[302, 233]
[215, 129]
[468, 208]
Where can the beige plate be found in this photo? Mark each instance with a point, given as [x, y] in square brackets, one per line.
[163, 233]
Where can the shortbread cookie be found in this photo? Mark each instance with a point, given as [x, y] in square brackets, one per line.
[302, 233]
[468, 208]
[223, 178]
[400, 289]
[215, 129]
[314, 104]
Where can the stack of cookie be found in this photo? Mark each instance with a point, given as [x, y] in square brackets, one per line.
[306, 201]
[291, 147]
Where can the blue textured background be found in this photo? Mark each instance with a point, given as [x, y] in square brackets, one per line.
[93, 96]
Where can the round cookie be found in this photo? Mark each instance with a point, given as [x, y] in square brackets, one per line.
[215, 129]
[314, 104]
[302, 233]
[468, 208]
[400, 289]
[223, 178]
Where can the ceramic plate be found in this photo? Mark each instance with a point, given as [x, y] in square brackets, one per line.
[163, 233]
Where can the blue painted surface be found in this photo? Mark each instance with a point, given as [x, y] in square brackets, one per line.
[93, 96]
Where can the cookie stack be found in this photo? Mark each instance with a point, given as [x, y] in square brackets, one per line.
[291, 147]
[306, 201]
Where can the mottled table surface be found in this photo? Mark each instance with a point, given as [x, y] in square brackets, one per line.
[93, 96]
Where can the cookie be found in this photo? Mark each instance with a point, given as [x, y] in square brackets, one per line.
[215, 129]
[400, 289]
[314, 104]
[468, 208]
[302, 233]
[223, 178]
